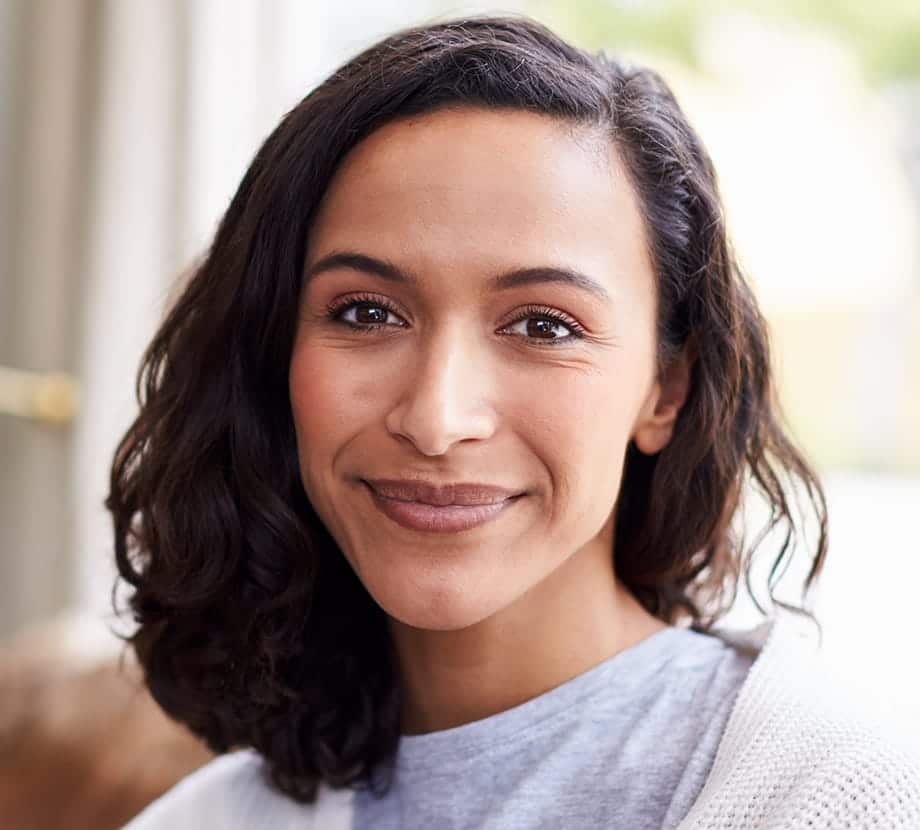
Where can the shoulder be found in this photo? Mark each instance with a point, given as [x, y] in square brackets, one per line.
[850, 758]
[838, 764]
[854, 763]
[800, 751]
[233, 791]
[224, 787]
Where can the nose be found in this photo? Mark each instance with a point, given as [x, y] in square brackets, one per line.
[446, 393]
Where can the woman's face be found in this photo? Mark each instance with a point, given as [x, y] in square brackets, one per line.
[489, 318]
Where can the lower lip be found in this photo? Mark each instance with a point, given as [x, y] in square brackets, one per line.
[448, 519]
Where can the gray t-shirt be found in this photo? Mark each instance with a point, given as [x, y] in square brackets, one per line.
[627, 744]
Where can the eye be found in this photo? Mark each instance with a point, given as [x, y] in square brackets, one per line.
[373, 310]
[541, 324]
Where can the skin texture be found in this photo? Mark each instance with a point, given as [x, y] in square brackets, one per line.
[452, 390]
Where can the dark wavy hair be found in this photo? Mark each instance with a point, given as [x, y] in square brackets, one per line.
[252, 629]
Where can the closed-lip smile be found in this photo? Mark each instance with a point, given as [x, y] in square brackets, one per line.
[441, 495]
[449, 508]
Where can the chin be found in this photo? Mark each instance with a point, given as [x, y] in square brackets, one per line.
[440, 604]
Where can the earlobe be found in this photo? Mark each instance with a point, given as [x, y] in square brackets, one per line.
[655, 425]
[655, 433]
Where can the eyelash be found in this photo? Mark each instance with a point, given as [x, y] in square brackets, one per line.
[334, 311]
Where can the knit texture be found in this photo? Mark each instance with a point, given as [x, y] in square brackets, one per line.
[799, 753]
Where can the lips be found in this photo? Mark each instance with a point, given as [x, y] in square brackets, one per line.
[457, 508]
[467, 494]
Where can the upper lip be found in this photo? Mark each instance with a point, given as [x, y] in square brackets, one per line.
[465, 493]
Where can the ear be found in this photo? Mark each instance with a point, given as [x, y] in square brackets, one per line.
[655, 423]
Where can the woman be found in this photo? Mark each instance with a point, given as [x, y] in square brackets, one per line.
[428, 505]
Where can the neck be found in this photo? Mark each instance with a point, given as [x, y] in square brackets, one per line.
[576, 618]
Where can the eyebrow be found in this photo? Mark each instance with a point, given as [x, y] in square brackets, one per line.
[509, 279]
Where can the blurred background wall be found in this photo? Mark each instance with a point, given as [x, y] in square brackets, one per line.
[125, 126]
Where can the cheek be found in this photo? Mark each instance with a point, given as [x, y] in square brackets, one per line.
[329, 397]
[583, 424]
[314, 411]
[585, 415]
[336, 398]
[319, 405]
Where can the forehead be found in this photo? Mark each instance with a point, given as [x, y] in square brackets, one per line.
[483, 189]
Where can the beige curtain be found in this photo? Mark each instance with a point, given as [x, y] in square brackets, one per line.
[47, 50]
[125, 127]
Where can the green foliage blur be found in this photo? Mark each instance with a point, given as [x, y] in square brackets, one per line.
[883, 34]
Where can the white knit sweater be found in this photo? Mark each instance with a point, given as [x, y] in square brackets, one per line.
[797, 753]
